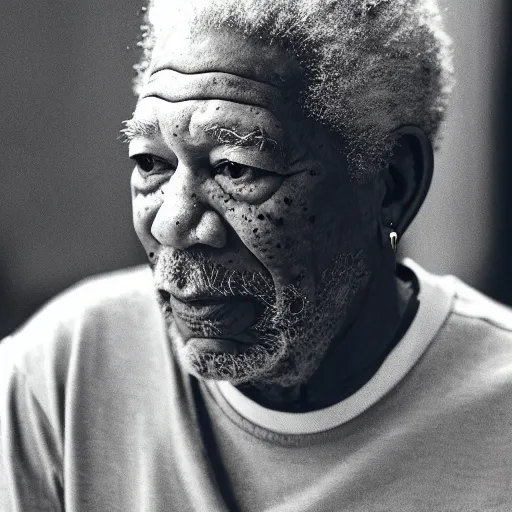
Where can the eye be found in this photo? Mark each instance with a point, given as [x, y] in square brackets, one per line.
[150, 164]
[246, 183]
[234, 171]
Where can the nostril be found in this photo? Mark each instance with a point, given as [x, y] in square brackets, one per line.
[181, 283]
[164, 295]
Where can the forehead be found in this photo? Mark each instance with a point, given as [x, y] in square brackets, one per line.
[223, 51]
[220, 65]
[217, 83]
[203, 99]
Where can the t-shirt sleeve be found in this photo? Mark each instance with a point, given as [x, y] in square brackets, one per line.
[30, 450]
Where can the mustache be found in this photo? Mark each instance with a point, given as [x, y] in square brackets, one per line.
[181, 269]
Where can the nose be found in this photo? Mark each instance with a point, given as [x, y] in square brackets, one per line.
[183, 220]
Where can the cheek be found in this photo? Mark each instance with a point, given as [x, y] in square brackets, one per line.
[309, 221]
[279, 232]
[346, 222]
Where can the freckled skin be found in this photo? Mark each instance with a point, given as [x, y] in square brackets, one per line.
[290, 223]
[294, 226]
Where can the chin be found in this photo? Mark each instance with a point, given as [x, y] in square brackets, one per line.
[224, 358]
[277, 361]
[236, 369]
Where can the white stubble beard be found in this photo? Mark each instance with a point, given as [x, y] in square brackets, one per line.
[291, 346]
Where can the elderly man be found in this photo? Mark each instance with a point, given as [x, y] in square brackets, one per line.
[276, 357]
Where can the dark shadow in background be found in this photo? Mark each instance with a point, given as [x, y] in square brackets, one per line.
[499, 284]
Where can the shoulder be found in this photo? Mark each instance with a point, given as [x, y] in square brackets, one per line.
[469, 359]
[477, 322]
[480, 330]
[50, 360]
[465, 306]
[91, 311]
[472, 306]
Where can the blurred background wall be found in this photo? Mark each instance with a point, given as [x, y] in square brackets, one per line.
[464, 227]
[64, 196]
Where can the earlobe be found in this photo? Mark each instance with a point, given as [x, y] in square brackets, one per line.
[406, 178]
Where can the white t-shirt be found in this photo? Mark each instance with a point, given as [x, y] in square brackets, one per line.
[96, 415]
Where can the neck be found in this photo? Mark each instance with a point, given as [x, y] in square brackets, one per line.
[353, 356]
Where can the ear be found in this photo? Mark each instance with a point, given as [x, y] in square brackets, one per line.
[406, 178]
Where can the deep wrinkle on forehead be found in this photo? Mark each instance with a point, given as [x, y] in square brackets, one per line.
[244, 115]
[175, 86]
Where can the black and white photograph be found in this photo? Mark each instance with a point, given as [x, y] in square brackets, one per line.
[255, 256]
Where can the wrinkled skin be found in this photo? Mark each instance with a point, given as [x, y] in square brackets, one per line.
[285, 231]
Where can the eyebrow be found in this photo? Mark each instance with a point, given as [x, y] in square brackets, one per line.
[134, 127]
[229, 136]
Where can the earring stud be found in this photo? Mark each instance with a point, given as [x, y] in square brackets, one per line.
[393, 238]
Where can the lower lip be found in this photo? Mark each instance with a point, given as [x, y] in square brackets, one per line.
[216, 345]
[231, 316]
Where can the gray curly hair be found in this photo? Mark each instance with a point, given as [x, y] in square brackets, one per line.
[370, 65]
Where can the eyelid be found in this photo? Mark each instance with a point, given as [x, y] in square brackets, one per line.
[225, 161]
[156, 158]
[269, 161]
[255, 172]
[256, 168]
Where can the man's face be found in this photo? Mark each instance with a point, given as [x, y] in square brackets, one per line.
[258, 240]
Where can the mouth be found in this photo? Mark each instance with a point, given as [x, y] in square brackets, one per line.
[203, 309]
[212, 316]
